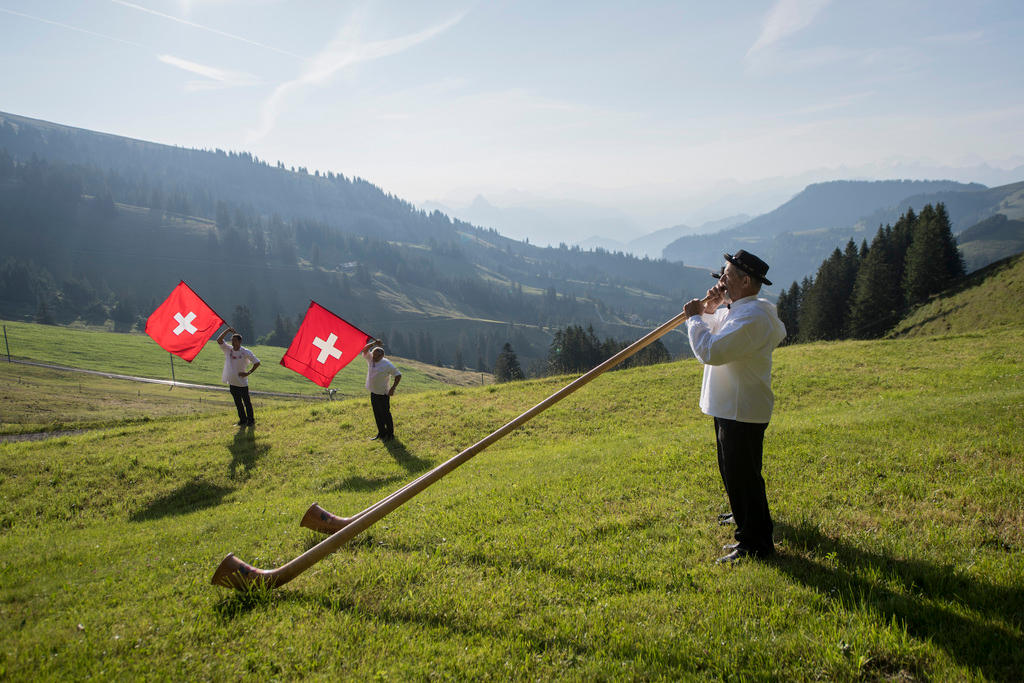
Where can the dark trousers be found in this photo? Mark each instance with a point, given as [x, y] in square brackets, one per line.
[740, 449]
[242, 403]
[382, 415]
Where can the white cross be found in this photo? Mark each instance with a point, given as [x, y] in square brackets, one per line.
[327, 348]
[185, 323]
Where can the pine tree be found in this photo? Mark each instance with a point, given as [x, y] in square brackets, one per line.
[933, 261]
[899, 241]
[954, 260]
[788, 307]
[43, 315]
[506, 367]
[242, 322]
[824, 308]
[877, 299]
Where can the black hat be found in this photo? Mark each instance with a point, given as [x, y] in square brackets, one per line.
[749, 264]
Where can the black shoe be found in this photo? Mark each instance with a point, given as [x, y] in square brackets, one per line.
[388, 437]
[375, 438]
[241, 423]
[735, 556]
[726, 519]
[740, 553]
[730, 546]
[724, 515]
[250, 423]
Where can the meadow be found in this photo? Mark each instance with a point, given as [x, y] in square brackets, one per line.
[579, 547]
[34, 399]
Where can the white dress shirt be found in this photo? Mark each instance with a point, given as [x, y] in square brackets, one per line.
[377, 374]
[735, 345]
[236, 362]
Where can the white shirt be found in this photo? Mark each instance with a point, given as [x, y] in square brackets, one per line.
[735, 345]
[377, 373]
[236, 362]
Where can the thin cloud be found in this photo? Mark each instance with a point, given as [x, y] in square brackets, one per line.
[72, 28]
[784, 19]
[216, 78]
[344, 51]
[965, 38]
[193, 24]
[835, 103]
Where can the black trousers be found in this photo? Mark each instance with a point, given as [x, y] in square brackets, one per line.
[381, 404]
[740, 450]
[242, 403]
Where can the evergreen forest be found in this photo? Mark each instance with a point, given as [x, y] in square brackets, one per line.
[97, 229]
[862, 292]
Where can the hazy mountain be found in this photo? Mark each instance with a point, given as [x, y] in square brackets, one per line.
[841, 203]
[797, 236]
[653, 244]
[965, 208]
[545, 222]
[991, 240]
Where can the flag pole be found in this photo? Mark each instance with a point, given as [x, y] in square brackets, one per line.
[234, 573]
[173, 381]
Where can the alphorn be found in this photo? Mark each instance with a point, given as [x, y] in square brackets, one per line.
[234, 573]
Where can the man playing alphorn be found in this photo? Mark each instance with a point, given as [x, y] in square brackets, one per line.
[735, 344]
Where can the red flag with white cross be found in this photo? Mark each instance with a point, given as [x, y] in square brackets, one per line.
[323, 345]
[183, 323]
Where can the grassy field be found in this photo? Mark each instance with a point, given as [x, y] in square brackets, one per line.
[35, 399]
[987, 298]
[580, 547]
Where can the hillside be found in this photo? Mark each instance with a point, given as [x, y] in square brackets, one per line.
[581, 547]
[965, 207]
[797, 236]
[986, 299]
[990, 240]
[100, 227]
[842, 203]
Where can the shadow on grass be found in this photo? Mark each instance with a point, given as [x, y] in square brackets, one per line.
[976, 622]
[403, 457]
[195, 495]
[363, 484]
[537, 639]
[245, 452]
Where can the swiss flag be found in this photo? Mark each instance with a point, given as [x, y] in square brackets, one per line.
[323, 345]
[183, 323]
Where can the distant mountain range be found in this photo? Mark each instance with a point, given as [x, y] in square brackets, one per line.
[653, 244]
[798, 235]
[576, 224]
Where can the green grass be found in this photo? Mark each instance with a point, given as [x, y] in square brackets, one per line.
[36, 399]
[579, 547]
[987, 298]
[137, 354]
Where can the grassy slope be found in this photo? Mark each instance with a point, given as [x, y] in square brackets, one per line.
[989, 297]
[137, 354]
[579, 547]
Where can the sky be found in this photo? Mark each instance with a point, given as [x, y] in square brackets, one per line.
[659, 110]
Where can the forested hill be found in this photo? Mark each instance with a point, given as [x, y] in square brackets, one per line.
[798, 235]
[842, 203]
[97, 226]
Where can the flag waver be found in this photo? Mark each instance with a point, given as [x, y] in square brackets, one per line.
[183, 323]
[323, 345]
